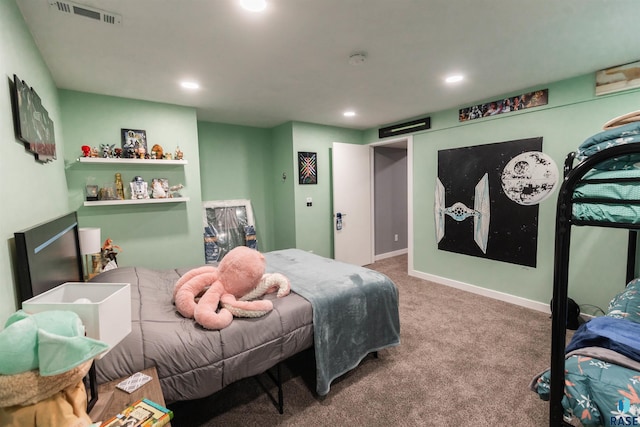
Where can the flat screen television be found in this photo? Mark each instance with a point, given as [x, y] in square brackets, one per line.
[48, 255]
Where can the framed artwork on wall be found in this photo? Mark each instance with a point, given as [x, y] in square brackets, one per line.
[615, 79]
[227, 224]
[32, 123]
[307, 167]
[487, 196]
[134, 144]
[505, 105]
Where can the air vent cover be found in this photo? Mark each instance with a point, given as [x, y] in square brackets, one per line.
[72, 8]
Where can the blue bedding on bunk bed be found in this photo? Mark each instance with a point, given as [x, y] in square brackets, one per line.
[602, 366]
[355, 309]
[613, 208]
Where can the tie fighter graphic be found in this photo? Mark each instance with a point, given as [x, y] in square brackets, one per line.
[459, 212]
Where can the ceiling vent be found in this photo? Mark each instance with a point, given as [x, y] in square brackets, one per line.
[86, 12]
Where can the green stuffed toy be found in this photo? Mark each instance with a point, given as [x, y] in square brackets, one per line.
[51, 341]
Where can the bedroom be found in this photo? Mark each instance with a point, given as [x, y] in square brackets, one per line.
[38, 192]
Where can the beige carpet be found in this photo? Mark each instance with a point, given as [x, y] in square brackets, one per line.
[464, 360]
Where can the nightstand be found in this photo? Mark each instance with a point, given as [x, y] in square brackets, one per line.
[112, 400]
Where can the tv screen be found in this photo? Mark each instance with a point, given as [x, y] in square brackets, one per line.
[48, 255]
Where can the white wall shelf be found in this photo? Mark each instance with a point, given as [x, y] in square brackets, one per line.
[136, 201]
[131, 161]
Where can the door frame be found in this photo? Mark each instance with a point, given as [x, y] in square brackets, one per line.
[400, 142]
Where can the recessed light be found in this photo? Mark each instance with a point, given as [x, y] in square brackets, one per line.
[454, 78]
[254, 5]
[190, 85]
[349, 113]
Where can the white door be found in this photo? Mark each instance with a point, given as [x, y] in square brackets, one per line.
[352, 208]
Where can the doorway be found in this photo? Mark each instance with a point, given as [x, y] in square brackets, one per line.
[392, 198]
[348, 213]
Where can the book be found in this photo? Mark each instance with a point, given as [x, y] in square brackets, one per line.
[143, 413]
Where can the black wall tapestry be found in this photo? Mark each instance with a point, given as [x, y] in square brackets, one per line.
[487, 199]
[32, 123]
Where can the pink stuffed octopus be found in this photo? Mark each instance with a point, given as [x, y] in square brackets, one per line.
[235, 284]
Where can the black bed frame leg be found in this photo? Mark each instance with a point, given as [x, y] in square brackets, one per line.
[277, 379]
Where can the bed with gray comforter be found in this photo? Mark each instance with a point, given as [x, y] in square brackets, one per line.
[343, 311]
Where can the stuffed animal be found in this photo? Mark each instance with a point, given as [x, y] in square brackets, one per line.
[43, 360]
[235, 284]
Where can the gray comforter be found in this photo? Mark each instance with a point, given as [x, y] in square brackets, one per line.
[355, 312]
[193, 362]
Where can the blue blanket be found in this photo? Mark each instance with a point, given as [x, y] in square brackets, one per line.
[355, 309]
[619, 335]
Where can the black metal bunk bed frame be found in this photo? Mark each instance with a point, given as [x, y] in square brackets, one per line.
[564, 221]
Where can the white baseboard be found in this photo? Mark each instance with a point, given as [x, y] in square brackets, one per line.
[534, 305]
[390, 254]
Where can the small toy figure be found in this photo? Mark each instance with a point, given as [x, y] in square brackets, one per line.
[107, 150]
[139, 188]
[159, 188]
[86, 151]
[119, 186]
[108, 254]
[94, 152]
[174, 190]
[117, 153]
[179, 153]
[157, 152]
[141, 151]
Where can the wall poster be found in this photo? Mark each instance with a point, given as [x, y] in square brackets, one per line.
[487, 196]
[307, 168]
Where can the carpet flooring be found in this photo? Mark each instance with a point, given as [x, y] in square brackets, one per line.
[463, 360]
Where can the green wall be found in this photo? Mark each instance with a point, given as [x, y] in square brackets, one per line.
[283, 181]
[597, 266]
[235, 164]
[164, 235]
[31, 192]
[314, 225]
[251, 162]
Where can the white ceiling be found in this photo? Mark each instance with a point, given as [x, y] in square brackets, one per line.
[291, 61]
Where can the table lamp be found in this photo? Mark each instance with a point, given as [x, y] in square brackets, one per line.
[90, 244]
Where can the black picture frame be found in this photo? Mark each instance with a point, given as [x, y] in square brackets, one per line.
[307, 168]
[134, 144]
[32, 123]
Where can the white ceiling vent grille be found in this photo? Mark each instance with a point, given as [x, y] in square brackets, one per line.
[86, 12]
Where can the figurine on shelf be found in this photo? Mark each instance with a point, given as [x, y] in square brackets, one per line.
[86, 151]
[107, 150]
[139, 188]
[117, 153]
[157, 152]
[179, 153]
[167, 156]
[94, 152]
[119, 186]
[141, 151]
[159, 188]
[173, 190]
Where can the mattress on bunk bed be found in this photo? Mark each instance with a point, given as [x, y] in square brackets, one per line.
[602, 366]
[617, 204]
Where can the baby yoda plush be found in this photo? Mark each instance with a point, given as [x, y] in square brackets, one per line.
[43, 359]
[51, 341]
